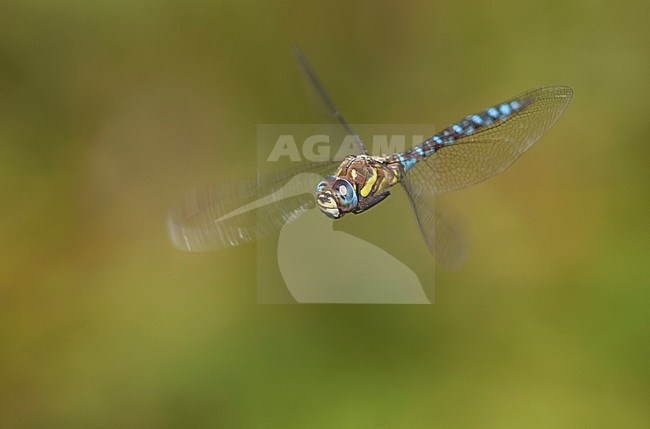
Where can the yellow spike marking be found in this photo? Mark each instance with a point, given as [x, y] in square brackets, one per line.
[365, 191]
[353, 173]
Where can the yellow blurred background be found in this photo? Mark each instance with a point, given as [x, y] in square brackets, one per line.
[109, 109]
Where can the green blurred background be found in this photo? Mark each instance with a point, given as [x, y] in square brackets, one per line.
[109, 109]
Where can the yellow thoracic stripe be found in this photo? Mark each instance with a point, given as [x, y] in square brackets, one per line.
[395, 177]
[365, 191]
[382, 184]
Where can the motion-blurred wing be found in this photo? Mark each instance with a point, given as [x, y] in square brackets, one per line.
[442, 232]
[221, 214]
[472, 150]
[326, 105]
[225, 214]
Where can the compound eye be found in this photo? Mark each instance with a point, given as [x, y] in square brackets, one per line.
[345, 192]
[327, 181]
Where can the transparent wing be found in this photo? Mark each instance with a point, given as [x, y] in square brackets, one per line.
[224, 214]
[325, 101]
[473, 158]
[480, 155]
[441, 231]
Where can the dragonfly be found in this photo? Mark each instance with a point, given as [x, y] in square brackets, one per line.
[224, 214]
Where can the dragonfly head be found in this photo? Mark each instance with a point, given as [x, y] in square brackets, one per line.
[336, 197]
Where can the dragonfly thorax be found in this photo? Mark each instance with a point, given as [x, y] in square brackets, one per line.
[360, 182]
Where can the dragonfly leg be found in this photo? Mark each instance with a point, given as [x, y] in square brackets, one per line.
[366, 203]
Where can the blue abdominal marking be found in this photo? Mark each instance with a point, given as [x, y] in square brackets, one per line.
[470, 125]
[477, 147]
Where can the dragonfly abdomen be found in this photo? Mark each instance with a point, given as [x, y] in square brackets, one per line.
[490, 117]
